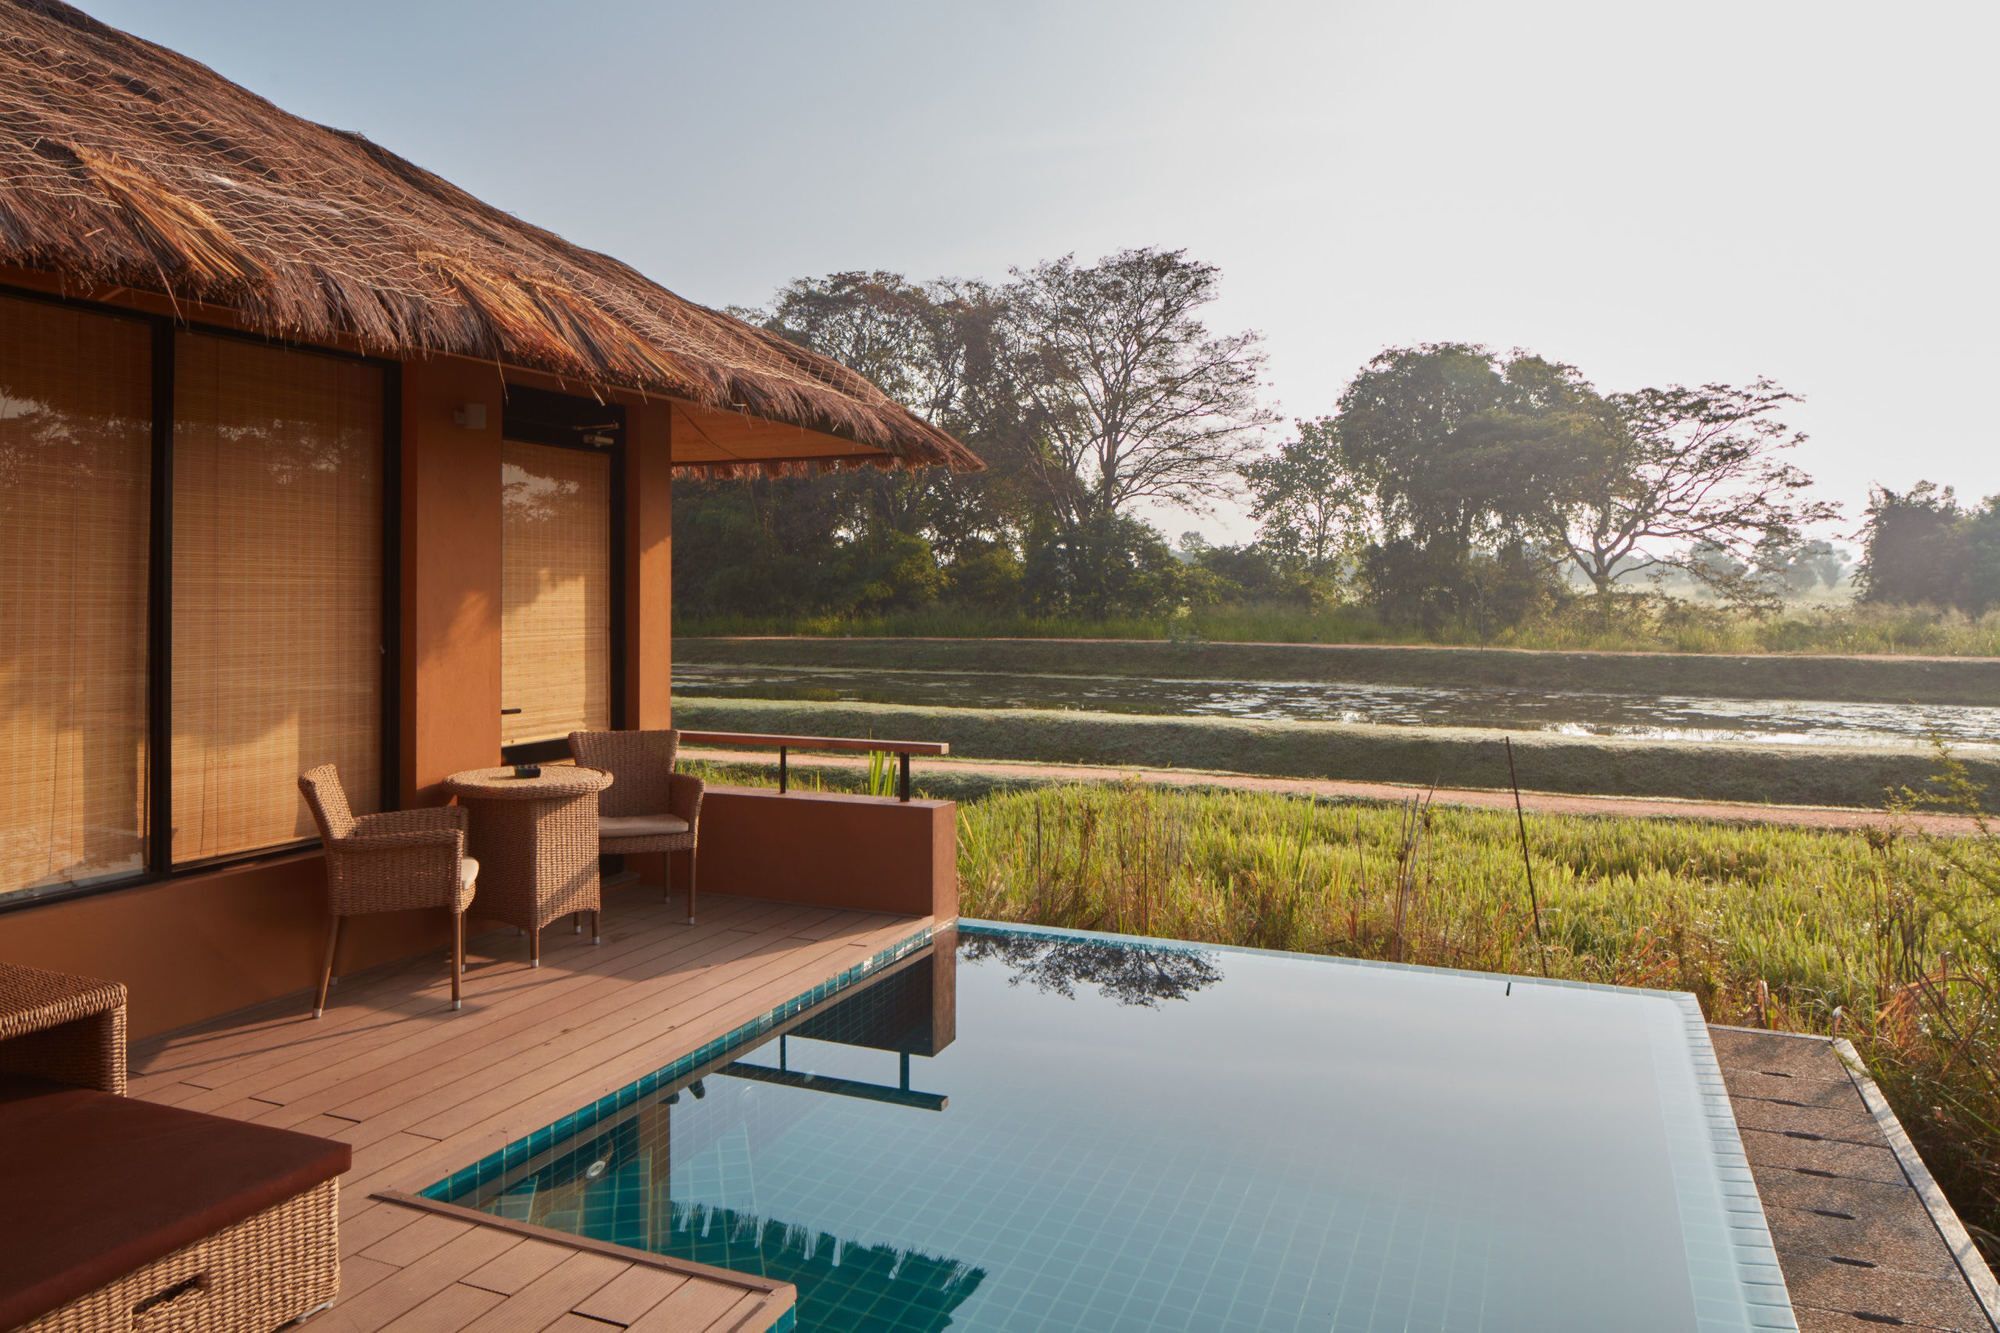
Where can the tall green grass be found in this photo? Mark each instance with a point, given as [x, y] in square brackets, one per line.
[1636, 626]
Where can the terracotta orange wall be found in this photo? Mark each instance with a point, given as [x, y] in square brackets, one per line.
[189, 949]
[831, 850]
[451, 577]
[649, 565]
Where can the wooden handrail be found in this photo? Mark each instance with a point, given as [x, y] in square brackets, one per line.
[784, 745]
[756, 740]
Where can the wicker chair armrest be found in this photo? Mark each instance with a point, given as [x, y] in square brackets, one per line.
[385, 872]
[423, 819]
[684, 792]
[400, 841]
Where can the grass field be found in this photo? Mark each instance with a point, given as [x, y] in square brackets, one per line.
[1856, 933]
[1636, 625]
[1448, 756]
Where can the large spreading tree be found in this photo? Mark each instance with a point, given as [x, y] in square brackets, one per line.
[1131, 398]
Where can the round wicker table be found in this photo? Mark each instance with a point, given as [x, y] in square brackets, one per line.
[536, 843]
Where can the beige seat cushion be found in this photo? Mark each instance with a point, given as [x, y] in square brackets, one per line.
[640, 826]
[468, 871]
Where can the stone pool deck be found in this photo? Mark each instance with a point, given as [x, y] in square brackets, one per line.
[1865, 1238]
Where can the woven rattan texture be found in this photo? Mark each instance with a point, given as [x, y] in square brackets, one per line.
[69, 1029]
[387, 862]
[262, 1273]
[535, 840]
[641, 764]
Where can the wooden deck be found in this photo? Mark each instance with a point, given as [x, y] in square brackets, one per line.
[420, 1091]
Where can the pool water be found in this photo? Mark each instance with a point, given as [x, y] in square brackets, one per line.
[1026, 1129]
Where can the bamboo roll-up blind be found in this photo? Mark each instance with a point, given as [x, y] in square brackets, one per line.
[75, 470]
[555, 591]
[277, 589]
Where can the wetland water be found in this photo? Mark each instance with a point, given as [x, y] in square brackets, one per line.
[1576, 713]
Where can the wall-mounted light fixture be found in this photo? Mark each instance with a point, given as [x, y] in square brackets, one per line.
[472, 416]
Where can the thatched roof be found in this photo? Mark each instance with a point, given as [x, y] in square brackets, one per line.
[122, 162]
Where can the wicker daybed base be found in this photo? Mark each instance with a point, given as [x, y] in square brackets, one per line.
[262, 1273]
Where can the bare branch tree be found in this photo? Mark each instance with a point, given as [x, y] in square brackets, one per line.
[1133, 399]
[1693, 484]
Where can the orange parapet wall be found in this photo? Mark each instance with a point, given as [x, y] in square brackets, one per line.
[829, 849]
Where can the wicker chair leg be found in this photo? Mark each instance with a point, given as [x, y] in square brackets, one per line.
[596, 925]
[534, 946]
[457, 959]
[326, 973]
[690, 886]
[576, 923]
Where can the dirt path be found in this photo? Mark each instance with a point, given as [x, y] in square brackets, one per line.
[1639, 807]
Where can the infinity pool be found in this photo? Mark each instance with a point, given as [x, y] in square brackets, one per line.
[1026, 1129]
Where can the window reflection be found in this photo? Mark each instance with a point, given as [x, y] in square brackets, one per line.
[75, 470]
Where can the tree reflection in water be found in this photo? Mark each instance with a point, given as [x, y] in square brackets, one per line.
[1141, 974]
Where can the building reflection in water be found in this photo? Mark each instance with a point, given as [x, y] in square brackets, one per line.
[618, 1184]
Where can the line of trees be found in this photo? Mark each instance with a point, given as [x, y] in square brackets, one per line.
[1450, 483]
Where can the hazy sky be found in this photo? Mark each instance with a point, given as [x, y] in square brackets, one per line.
[1666, 191]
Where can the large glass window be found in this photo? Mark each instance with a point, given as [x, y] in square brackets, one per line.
[277, 589]
[75, 469]
[555, 592]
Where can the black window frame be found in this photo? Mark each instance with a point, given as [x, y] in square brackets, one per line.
[158, 832]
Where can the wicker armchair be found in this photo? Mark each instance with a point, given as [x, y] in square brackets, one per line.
[648, 807]
[389, 863]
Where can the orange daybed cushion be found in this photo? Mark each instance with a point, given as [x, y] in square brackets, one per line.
[94, 1186]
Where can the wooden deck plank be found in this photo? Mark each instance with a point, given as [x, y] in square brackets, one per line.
[373, 1223]
[413, 1242]
[419, 1092]
[472, 1086]
[631, 1294]
[599, 1071]
[696, 1305]
[323, 1056]
[411, 1286]
[471, 1064]
[549, 1297]
[517, 1267]
[368, 1002]
[446, 1312]
[359, 1083]
[754, 1312]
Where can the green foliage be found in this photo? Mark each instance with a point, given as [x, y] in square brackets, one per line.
[1921, 546]
[1310, 506]
[1623, 623]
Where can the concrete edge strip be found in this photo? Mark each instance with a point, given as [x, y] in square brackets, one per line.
[1977, 1275]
